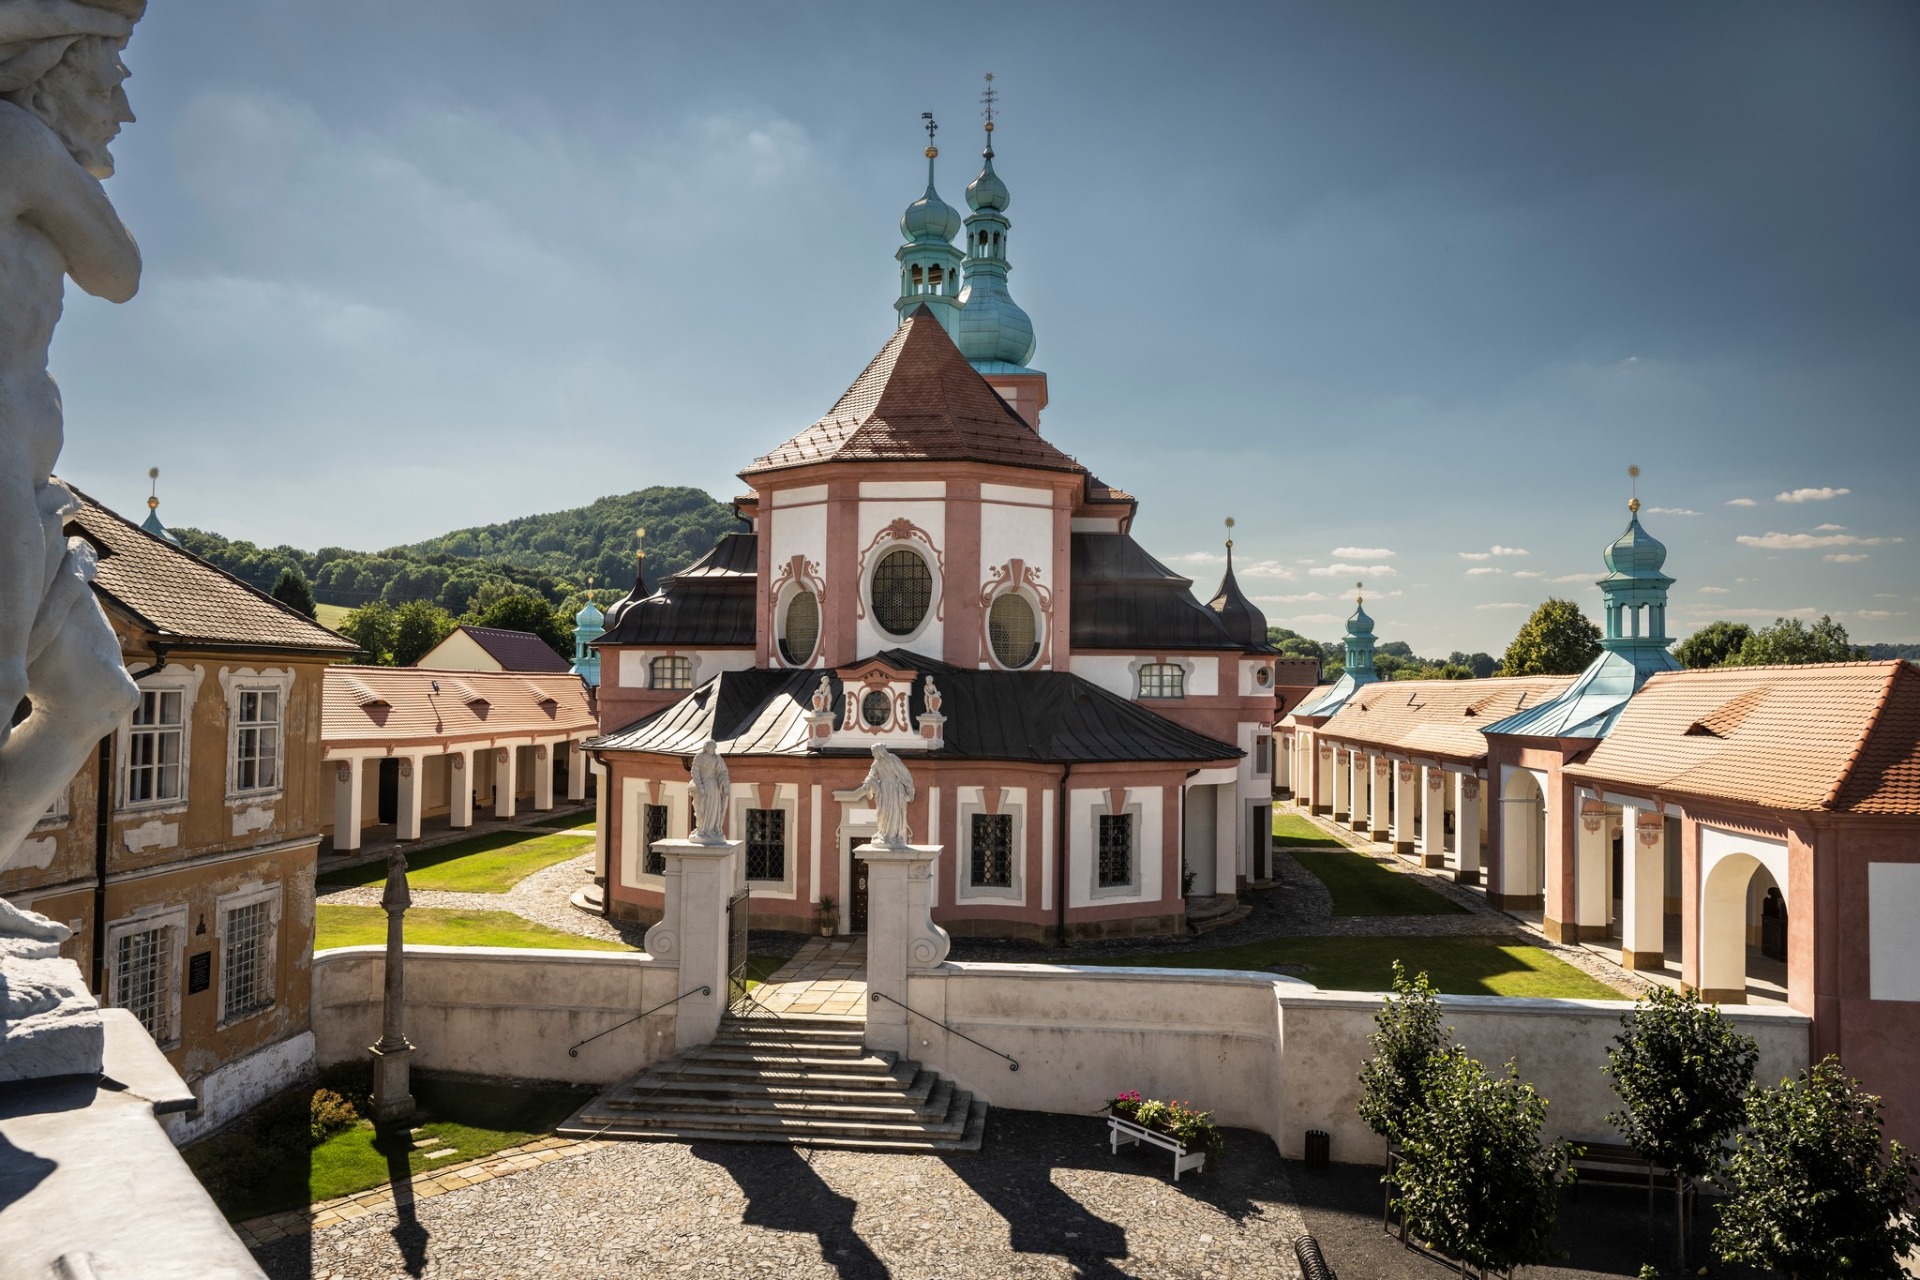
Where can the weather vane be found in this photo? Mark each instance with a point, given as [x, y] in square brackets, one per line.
[932, 127]
[153, 488]
[1633, 477]
[988, 100]
[1229, 533]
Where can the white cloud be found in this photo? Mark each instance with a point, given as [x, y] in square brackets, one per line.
[1198, 557]
[1483, 569]
[1495, 550]
[1715, 591]
[1362, 553]
[1806, 541]
[1810, 495]
[1829, 528]
[1845, 557]
[1520, 573]
[1886, 595]
[1476, 555]
[1878, 613]
[1802, 612]
[1364, 570]
[1572, 577]
[1504, 604]
[1742, 502]
[1671, 511]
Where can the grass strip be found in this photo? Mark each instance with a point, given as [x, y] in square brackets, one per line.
[490, 863]
[338, 925]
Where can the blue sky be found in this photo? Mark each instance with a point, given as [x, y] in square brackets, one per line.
[1404, 288]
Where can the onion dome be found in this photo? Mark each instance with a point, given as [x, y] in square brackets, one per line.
[1636, 553]
[987, 192]
[1245, 624]
[589, 616]
[930, 220]
[1359, 624]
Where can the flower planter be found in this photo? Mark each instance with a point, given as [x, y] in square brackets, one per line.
[1125, 1132]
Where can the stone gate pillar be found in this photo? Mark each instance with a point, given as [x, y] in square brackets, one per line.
[692, 932]
[901, 936]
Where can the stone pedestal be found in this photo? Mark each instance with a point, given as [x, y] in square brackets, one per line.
[692, 931]
[901, 935]
[392, 1083]
[49, 1024]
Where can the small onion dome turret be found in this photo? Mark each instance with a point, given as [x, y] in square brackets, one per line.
[987, 191]
[589, 616]
[930, 220]
[1245, 624]
[1636, 553]
[1359, 624]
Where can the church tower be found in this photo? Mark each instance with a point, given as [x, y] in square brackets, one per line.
[995, 334]
[1634, 598]
[1360, 642]
[929, 264]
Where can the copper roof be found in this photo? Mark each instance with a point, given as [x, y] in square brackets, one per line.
[515, 650]
[399, 706]
[1840, 736]
[919, 400]
[180, 599]
[1436, 717]
[1314, 695]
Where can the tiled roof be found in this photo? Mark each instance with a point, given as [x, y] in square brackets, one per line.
[1047, 716]
[919, 400]
[1436, 717]
[399, 706]
[1838, 736]
[183, 600]
[516, 650]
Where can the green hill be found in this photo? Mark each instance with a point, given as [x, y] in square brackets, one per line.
[555, 555]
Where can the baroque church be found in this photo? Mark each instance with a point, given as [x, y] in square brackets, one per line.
[1090, 744]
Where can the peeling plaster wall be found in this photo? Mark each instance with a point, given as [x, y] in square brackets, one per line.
[236, 1088]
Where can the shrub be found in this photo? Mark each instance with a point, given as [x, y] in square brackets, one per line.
[1406, 1038]
[327, 1114]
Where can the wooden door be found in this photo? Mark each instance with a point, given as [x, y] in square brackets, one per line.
[857, 900]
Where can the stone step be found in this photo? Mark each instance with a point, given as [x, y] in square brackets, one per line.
[932, 1106]
[777, 1044]
[912, 1090]
[790, 1033]
[951, 1126]
[859, 1064]
[969, 1140]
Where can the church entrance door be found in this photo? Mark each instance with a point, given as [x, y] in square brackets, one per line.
[857, 899]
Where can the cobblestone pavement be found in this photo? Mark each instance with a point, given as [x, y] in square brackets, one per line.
[1044, 1198]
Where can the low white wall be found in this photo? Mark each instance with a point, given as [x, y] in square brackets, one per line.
[241, 1085]
[505, 1012]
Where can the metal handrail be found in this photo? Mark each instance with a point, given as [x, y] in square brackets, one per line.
[574, 1052]
[1013, 1063]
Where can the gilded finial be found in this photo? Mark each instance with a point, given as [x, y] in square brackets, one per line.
[1358, 599]
[153, 490]
[1633, 475]
[988, 100]
[932, 127]
[640, 543]
[1229, 533]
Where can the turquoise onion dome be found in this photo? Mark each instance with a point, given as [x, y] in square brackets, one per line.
[1359, 624]
[930, 220]
[994, 333]
[589, 616]
[987, 192]
[1636, 553]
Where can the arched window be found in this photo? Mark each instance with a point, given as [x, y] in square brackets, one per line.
[916, 274]
[800, 629]
[1012, 630]
[1163, 680]
[902, 592]
[671, 673]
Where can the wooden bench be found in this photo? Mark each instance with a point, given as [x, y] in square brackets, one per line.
[1124, 1132]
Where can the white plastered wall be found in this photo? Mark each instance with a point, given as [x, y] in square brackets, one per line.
[1085, 806]
[922, 502]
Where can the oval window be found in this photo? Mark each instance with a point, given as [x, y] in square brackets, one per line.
[1012, 630]
[902, 592]
[877, 709]
[800, 631]
[1261, 675]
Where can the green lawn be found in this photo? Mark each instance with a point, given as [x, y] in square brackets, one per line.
[568, 821]
[1359, 885]
[266, 1163]
[343, 926]
[1290, 829]
[330, 615]
[1458, 966]
[492, 863]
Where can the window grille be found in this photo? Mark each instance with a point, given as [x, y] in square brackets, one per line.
[1011, 630]
[1163, 680]
[1116, 850]
[142, 983]
[672, 673]
[247, 959]
[256, 747]
[1263, 755]
[902, 592]
[877, 709]
[801, 633]
[154, 747]
[653, 827]
[993, 850]
[766, 844]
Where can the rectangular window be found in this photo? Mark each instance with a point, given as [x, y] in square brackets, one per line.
[672, 673]
[246, 962]
[142, 978]
[1163, 680]
[256, 744]
[1263, 755]
[766, 844]
[1116, 850]
[993, 850]
[154, 747]
[653, 828]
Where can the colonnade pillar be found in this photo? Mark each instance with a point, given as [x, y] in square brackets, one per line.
[406, 814]
[1591, 901]
[1466, 828]
[1433, 816]
[1379, 821]
[506, 781]
[1405, 797]
[460, 788]
[576, 772]
[1643, 868]
[1334, 760]
[544, 762]
[346, 805]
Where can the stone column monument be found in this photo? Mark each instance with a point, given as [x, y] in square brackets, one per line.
[699, 880]
[63, 684]
[392, 1073]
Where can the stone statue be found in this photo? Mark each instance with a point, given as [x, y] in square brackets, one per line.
[890, 787]
[710, 789]
[932, 692]
[61, 103]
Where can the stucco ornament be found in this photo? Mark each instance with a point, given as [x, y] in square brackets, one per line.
[890, 787]
[61, 103]
[710, 787]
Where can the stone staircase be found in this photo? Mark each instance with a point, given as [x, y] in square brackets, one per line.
[794, 1079]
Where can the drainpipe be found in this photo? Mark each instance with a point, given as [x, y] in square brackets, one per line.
[103, 829]
[1060, 858]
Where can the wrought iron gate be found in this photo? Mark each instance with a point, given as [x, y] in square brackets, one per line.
[737, 951]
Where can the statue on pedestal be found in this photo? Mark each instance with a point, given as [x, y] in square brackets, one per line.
[890, 787]
[710, 789]
[61, 103]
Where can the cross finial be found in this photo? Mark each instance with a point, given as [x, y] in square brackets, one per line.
[989, 100]
[932, 127]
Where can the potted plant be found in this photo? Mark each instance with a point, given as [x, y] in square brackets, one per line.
[1189, 1134]
[829, 915]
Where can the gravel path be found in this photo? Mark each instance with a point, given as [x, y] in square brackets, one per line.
[1044, 1198]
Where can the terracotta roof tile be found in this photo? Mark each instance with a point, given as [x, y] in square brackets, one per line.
[1842, 736]
[398, 706]
[919, 400]
[183, 599]
[1436, 717]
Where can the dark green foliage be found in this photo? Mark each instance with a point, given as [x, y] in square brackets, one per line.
[1558, 640]
[371, 627]
[1712, 644]
[1683, 1073]
[1815, 1196]
[291, 590]
[1406, 1041]
[1791, 641]
[1476, 1182]
[418, 625]
[528, 613]
[1393, 660]
[1887, 652]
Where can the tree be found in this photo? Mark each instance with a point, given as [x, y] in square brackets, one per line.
[1683, 1073]
[1814, 1194]
[418, 625]
[292, 591]
[371, 627]
[1558, 640]
[1790, 641]
[1475, 1181]
[1406, 1039]
[526, 612]
[1712, 645]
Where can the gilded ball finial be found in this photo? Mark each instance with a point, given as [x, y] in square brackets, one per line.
[1633, 505]
[1633, 475]
[933, 152]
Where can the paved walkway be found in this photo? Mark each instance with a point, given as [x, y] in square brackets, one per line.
[828, 976]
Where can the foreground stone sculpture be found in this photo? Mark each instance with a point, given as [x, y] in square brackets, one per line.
[61, 103]
[710, 787]
[890, 787]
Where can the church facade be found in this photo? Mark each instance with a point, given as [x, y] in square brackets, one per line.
[1090, 744]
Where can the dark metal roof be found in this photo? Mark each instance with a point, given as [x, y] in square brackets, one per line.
[709, 603]
[516, 650]
[1045, 716]
[1240, 617]
[1125, 599]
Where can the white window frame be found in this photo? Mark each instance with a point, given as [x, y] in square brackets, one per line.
[872, 570]
[174, 920]
[1140, 693]
[790, 593]
[746, 795]
[1131, 887]
[186, 683]
[653, 672]
[224, 907]
[1013, 803]
[234, 684]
